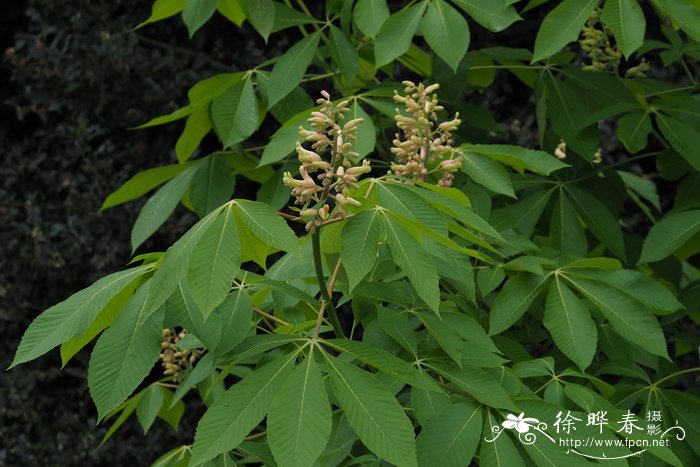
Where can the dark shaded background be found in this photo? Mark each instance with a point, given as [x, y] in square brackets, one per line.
[72, 79]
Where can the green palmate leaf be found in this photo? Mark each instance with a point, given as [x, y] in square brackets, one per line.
[450, 438]
[142, 183]
[163, 9]
[546, 454]
[197, 12]
[171, 117]
[447, 337]
[670, 234]
[373, 412]
[72, 317]
[524, 214]
[514, 300]
[570, 324]
[185, 312]
[638, 286]
[149, 405]
[265, 224]
[215, 261]
[561, 26]
[633, 130]
[359, 245]
[643, 187]
[446, 32]
[261, 14]
[236, 412]
[197, 126]
[102, 322]
[626, 21]
[427, 404]
[406, 202]
[567, 109]
[159, 207]
[125, 353]
[369, 16]
[627, 316]
[565, 229]
[236, 320]
[178, 456]
[176, 262]
[413, 260]
[685, 407]
[394, 38]
[681, 136]
[235, 113]
[126, 410]
[212, 185]
[366, 133]
[498, 453]
[296, 101]
[208, 89]
[684, 13]
[519, 158]
[398, 327]
[232, 10]
[285, 289]
[487, 172]
[344, 53]
[299, 423]
[284, 140]
[608, 264]
[495, 16]
[255, 249]
[203, 369]
[601, 222]
[478, 384]
[341, 442]
[383, 361]
[488, 279]
[470, 330]
[286, 17]
[171, 412]
[290, 68]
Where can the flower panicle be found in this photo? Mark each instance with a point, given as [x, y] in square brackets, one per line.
[424, 146]
[330, 159]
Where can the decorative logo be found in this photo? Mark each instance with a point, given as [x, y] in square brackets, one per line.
[565, 424]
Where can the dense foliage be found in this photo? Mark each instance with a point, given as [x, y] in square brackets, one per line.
[428, 280]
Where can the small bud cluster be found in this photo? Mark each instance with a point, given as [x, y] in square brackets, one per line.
[596, 43]
[423, 148]
[597, 156]
[175, 361]
[560, 150]
[336, 171]
[638, 71]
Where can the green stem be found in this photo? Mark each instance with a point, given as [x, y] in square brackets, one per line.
[678, 373]
[316, 244]
[612, 166]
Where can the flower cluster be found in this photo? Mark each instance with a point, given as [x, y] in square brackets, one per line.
[596, 43]
[422, 148]
[330, 160]
[175, 360]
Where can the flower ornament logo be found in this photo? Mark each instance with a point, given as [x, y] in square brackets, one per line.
[521, 424]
